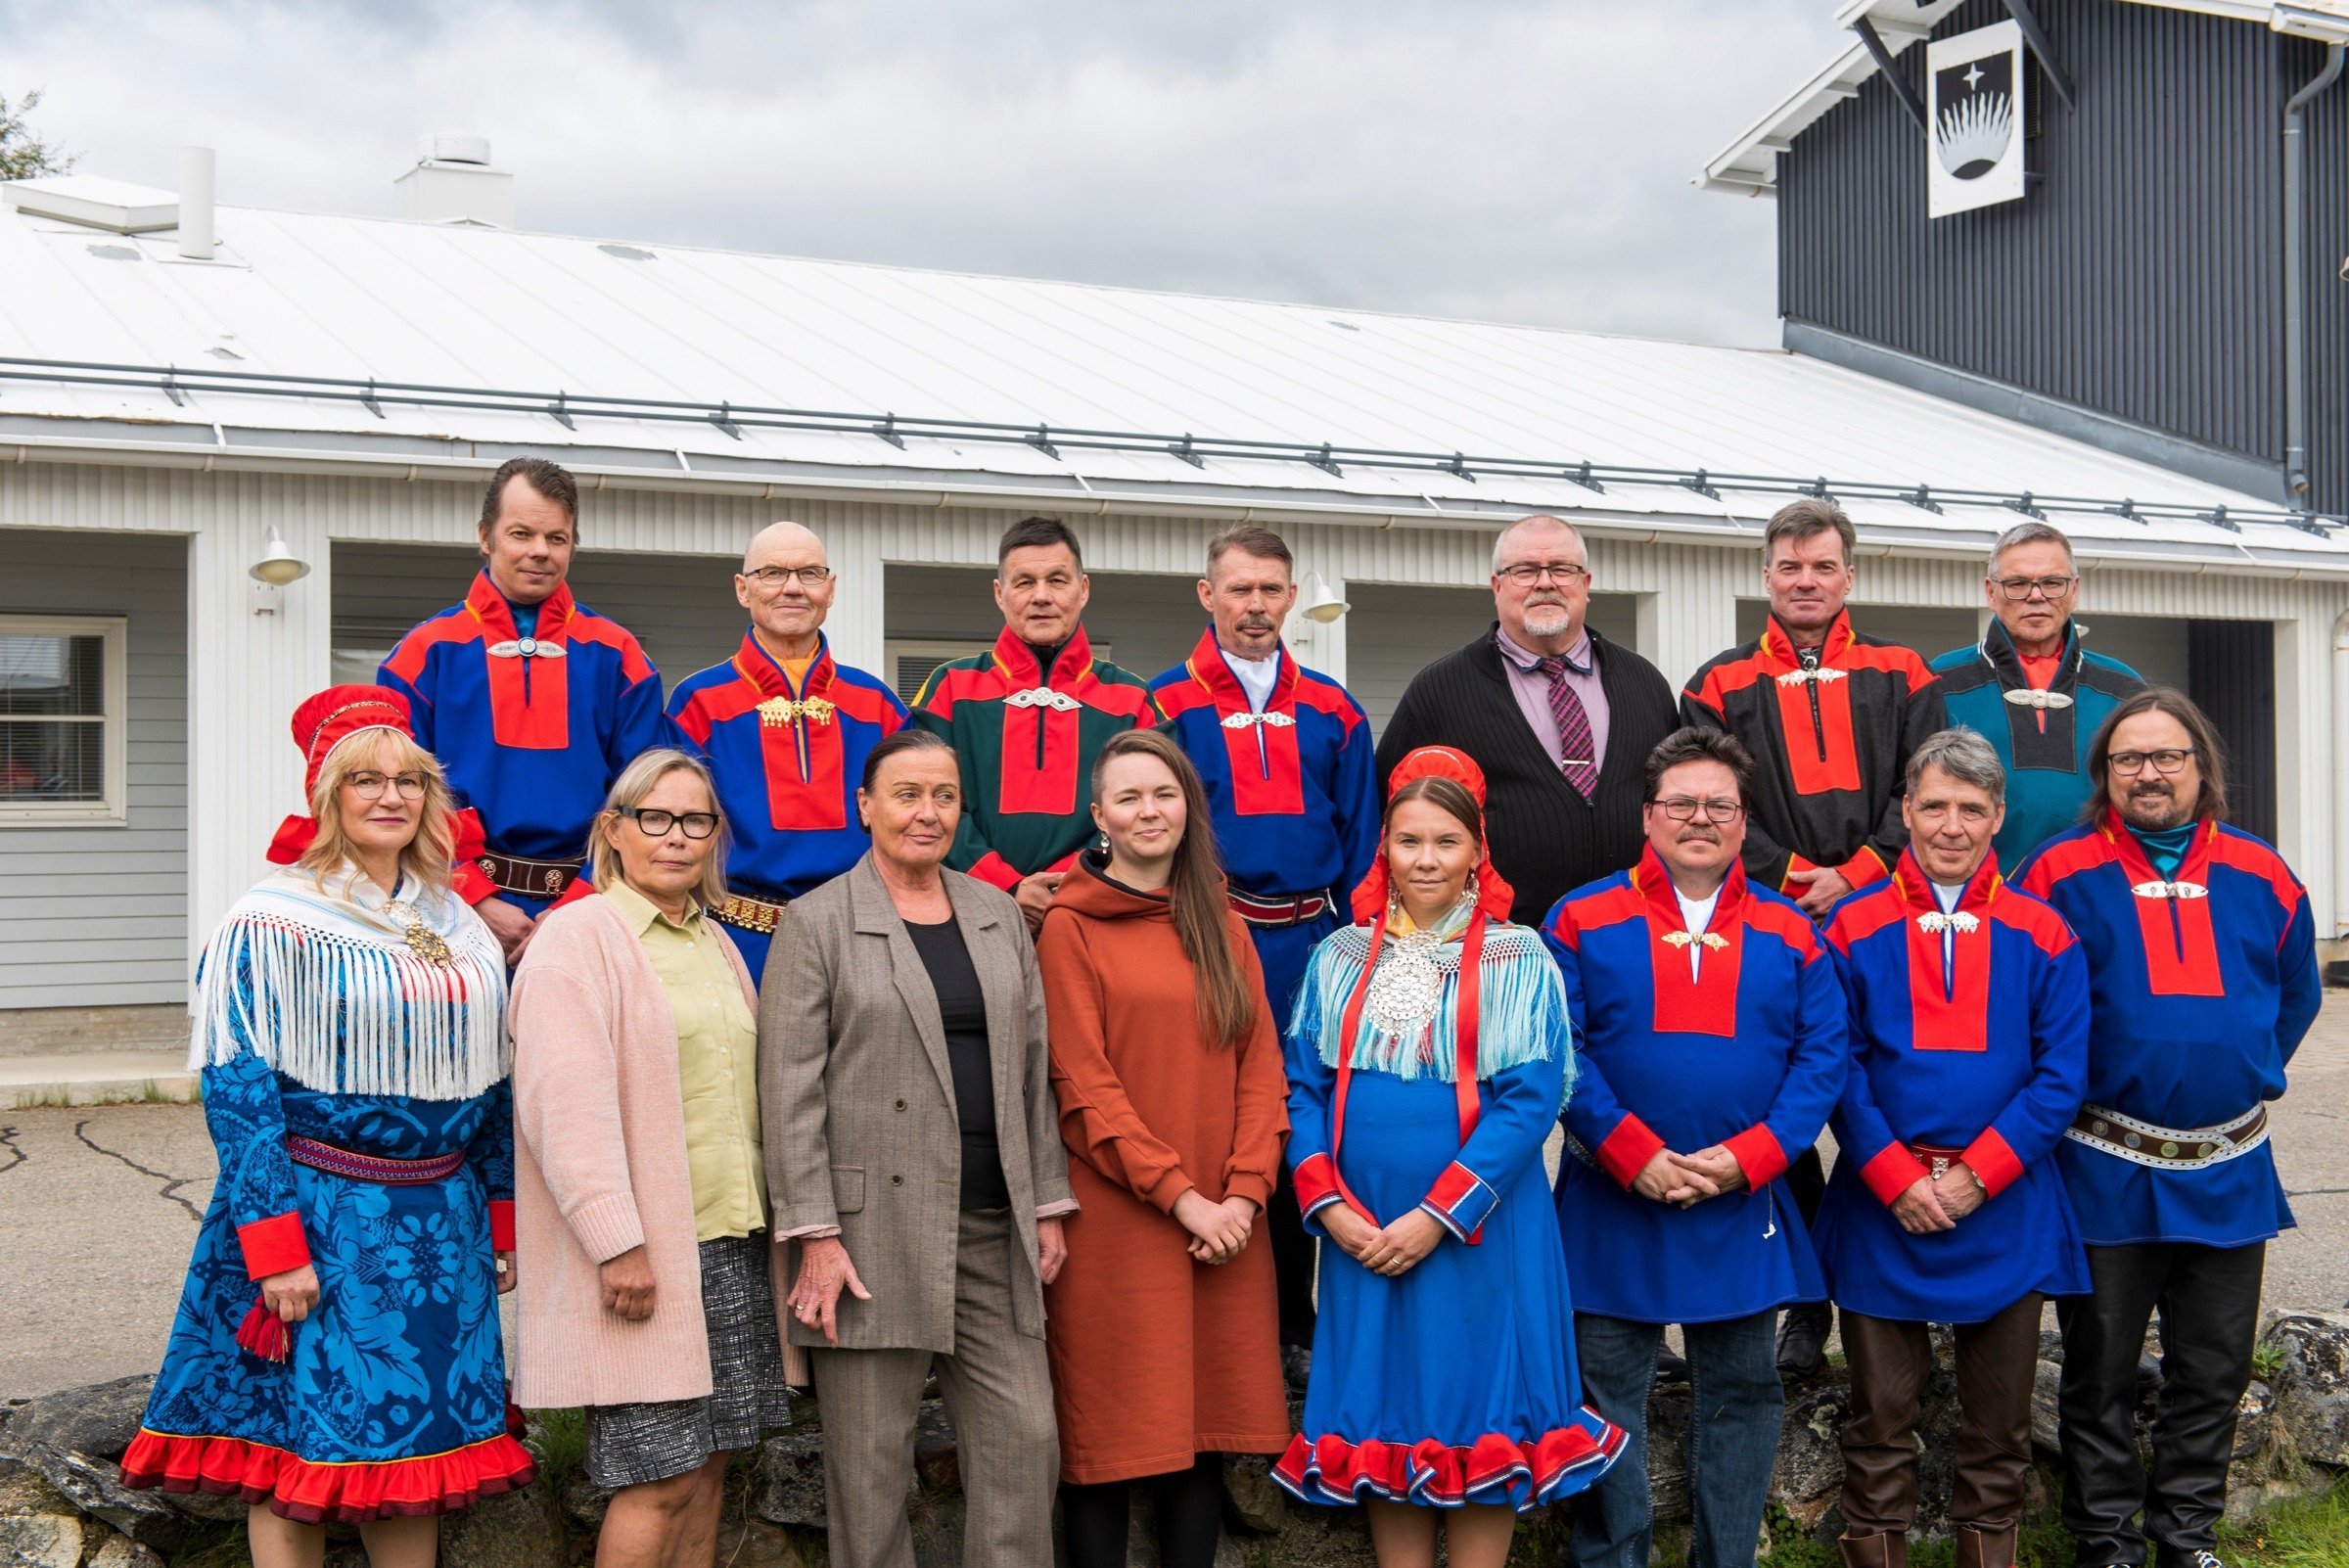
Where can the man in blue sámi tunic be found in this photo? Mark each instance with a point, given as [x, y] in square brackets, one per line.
[1291, 776]
[785, 728]
[2202, 975]
[1712, 1026]
[533, 702]
[1969, 1046]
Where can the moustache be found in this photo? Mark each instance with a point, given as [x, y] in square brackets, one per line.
[1256, 623]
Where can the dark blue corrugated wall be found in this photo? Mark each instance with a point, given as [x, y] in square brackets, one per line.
[2141, 276]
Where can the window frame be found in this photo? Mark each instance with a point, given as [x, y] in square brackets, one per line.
[113, 721]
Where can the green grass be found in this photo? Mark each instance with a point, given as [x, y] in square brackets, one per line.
[564, 1445]
[2309, 1533]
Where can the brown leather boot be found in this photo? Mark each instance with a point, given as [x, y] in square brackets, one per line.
[1885, 1549]
[1981, 1548]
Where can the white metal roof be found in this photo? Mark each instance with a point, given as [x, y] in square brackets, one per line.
[1749, 165]
[528, 317]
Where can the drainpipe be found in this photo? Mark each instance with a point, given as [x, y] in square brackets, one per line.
[2295, 279]
[2340, 775]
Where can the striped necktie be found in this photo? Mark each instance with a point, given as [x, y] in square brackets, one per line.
[1574, 728]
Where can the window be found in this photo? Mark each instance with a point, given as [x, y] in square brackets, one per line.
[62, 716]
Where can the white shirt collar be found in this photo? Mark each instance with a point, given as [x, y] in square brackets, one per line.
[1257, 676]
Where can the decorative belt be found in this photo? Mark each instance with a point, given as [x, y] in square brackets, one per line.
[353, 1166]
[533, 879]
[1935, 1159]
[751, 914]
[1276, 911]
[2166, 1148]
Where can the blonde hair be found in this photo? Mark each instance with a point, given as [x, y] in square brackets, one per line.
[428, 856]
[635, 782]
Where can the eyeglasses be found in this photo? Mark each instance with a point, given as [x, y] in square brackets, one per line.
[1684, 809]
[1526, 574]
[2169, 760]
[371, 786]
[2018, 589]
[811, 576]
[656, 824]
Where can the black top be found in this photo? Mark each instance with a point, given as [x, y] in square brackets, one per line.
[1546, 840]
[962, 1012]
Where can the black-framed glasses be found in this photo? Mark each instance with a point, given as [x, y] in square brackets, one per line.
[656, 824]
[810, 577]
[370, 786]
[2167, 760]
[2018, 589]
[1528, 573]
[1684, 808]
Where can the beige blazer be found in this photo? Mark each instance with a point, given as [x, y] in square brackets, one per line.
[856, 1100]
[599, 1166]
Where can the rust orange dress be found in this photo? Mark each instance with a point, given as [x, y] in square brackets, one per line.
[1156, 1358]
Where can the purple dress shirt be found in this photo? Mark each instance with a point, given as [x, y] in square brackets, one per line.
[1531, 690]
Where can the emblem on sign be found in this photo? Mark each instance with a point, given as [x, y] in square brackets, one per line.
[1974, 155]
[2022, 698]
[780, 711]
[1822, 675]
[1060, 702]
[2169, 889]
[1933, 924]
[1244, 720]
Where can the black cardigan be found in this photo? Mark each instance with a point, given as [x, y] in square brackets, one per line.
[1545, 838]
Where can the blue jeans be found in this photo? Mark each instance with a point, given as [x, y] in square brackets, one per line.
[1735, 1405]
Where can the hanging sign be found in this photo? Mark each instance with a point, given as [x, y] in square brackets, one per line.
[1974, 107]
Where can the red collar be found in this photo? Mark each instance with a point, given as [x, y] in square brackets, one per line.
[2137, 866]
[1916, 888]
[1652, 880]
[1208, 668]
[761, 669]
[1778, 650]
[1017, 661]
[489, 608]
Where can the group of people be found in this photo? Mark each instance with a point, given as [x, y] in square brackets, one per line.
[777, 1036]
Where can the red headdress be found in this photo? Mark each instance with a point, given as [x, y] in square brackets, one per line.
[320, 724]
[1371, 903]
[1494, 896]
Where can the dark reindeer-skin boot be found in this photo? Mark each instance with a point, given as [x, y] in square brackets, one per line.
[1885, 1549]
[1979, 1547]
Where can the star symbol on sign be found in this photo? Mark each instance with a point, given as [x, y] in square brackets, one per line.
[1973, 76]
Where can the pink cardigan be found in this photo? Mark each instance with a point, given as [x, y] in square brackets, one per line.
[599, 1166]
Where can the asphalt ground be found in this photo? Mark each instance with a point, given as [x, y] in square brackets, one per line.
[99, 1207]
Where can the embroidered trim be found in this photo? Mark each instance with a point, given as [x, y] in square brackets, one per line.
[2028, 697]
[1244, 720]
[2171, 890]
[1060, 702]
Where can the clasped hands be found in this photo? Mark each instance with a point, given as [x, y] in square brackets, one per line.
[1219, 1231]
[1938, 1203]
[1686, 1180]
[1392, 1249]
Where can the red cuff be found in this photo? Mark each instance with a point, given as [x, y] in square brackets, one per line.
[1317, 1181]
[1627, 1150]
[1863, 868]
[993, 870]
[471, 882]
[501, 1224]
[1794, 863]
[1758, 1155]
[273, 1245]
[1992, 1158]
[1891, 1174]
[581, 887]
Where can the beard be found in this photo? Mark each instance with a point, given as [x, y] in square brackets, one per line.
[2154, 810]
[1547, 620]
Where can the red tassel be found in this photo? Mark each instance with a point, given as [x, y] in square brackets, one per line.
[263, 1334]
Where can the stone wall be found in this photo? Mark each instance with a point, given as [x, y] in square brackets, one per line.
[62, 1503]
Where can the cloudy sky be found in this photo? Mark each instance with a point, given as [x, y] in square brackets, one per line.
[1507, 160]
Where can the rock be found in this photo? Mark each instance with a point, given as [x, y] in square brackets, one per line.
[2046, 1418]
[99, 1421]
[2311, 1383]
[787, 1481]
[766, 1545]
[94, 1486]
[1254, 1503]
[937, 1459]
[521, 1529]
[40, 1540]
[213, 1508]
[1808, 1477]
[583, 1502]
[121, 1551]
[23, 1490]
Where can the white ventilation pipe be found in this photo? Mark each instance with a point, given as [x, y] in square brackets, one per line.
[196, 203]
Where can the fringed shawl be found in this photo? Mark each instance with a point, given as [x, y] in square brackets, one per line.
[1521, 1007]
[317, 978]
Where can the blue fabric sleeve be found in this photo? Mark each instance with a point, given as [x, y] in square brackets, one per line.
[2300, 984]
[1862, 1131]
[642, 724]
[491, 1153]
[420, 703]
[1357, 800]
[2033, 1122]
[247, 1124]
[1821, 1061]
[1311, 1084]
[1592, 1113]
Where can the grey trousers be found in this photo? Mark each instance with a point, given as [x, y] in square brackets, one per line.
[997, 1388]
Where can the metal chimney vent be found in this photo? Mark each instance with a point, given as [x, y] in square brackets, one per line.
[454, 182]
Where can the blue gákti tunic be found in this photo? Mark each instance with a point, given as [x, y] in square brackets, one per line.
[1454, 1382]
[393, 1398]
